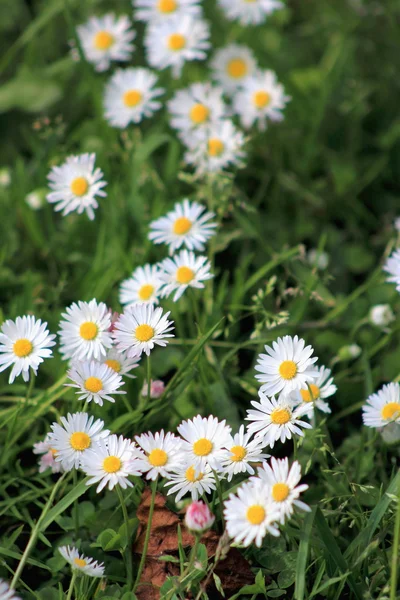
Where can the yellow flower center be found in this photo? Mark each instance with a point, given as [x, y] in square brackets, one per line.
[391, 410]
[158, 457]
[191, 475]
[112, 464]
[53, 451]
[237, 68]
[88, 330]
[199, 113]
[113, 364]
[182, 225]
[280, 491]
[80, 562]
[22, 348]
[167, 6]
[103, 40]
[261, 99]
[307, 397]
[255, 514]
[132, 98]
[288, 369]
[184, 275]
[144, 333]
[215, 147]
[176, 41]
[146, 291]
[79, 440]
[280, 416]
[202, 447]
[93, 384]
[79, 186]
[238, 453]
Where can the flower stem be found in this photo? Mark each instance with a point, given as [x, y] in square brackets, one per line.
[76, 507]
[220, 498]
[129, 559]
[395, 552]
[148, 364]
[147, 538]
[71, 585]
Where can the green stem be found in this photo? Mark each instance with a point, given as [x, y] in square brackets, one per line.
[129, 558]
[147, 538]
[71, 585]
[220, 498]
[35, 533]
[395, 552]
[76, 507]
[148, 364]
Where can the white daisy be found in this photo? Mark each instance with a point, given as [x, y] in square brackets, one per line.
[383, 407]
[6, 593]
[276, 419]
[80, 562]
[219, 147]
[75, 185]
[392, 266]
[188, 224]
[140, 328]
[187, 480]
[74, 437]
[182, 271]
[232, 65]
[105, 39]
[314, 393]
[157, 10]
[94, 381]
[196, 107]
[84, 331]
[249, 12]
[110, 462]
[250, 515]
[130, 96]
[287, 366]
[142, 286]
[260, 100]
[240, 452]
[175, 41]
[48, 456]
[24, 344]
[282, 484]
[204, 441]
[120, 363]
[161, 454]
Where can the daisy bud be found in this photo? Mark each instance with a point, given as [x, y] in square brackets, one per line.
[198, 517]
[36, 199]
[349, 352]
[381, 315]
[157, 388]
[320, 260]
[5, 177]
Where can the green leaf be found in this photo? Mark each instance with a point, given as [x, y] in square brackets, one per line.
[30, 92]
[63, 504]
[302, 556]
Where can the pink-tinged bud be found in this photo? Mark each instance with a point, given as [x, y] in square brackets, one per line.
[114, 316]
[198, 517]
[157, 388]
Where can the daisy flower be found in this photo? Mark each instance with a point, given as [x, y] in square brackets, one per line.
[260, 100]
[313, 394]
[105, 39]
[196, 107]
[174, 41]
[157, 10]
[383, 407]
[161, 454]
[287, 366]
[80, 562]
[248, 12]
[188, 225]
[240, 452]
[276, 419]
[110, 462]
[84, 331]
[142, 286]
[250, 515]
[94, 381]
[187, 480]
[120, 363]
[140, 328]
[75, 185]
[392, 266]
[74, 437]
[204, 441]
[24, 344]
[232, 65]
[48, 458]
[6, 593]
[130, 96]
[182, 271]
[283, 487]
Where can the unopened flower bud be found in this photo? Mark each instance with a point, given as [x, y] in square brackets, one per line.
[320, 260]
[381, 315]
[349, 352]
[198, 517]
[5, 177]
[157, 388]
[36, 199]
